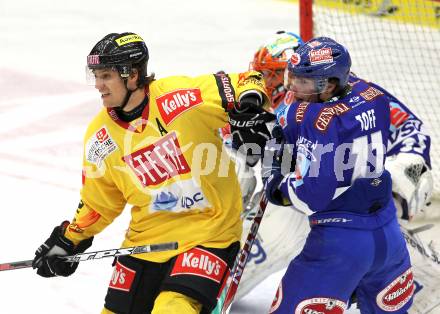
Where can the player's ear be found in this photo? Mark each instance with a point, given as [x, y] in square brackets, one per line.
[331, 87]
[133, 78]
[134, 73]
[329, 90]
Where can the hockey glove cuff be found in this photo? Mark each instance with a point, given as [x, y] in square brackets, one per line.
[248, 125]
[49, 260]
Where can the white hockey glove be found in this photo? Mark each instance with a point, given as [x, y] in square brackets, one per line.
[412, 182]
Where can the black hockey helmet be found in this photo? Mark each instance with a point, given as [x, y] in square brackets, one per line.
[122, 52]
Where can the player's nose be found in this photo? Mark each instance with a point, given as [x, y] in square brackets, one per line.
[99, 84]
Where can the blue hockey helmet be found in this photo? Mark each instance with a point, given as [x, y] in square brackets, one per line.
[321, 58]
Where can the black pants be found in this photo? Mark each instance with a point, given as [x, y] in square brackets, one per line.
[197, 273]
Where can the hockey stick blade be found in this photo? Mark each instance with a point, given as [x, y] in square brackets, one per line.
[168, 246]
[420, 229]
[242, 257]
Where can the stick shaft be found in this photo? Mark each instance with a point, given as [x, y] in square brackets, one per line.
[99, 254]
[242, 258]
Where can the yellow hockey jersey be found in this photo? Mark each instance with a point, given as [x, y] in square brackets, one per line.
[169, 165]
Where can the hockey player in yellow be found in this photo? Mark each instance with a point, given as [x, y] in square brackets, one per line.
[155, 146]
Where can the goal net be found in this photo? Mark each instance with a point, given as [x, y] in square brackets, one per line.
[395, 43]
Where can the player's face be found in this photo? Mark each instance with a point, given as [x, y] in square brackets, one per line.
[111, 87]
[274, 80]
[304, 89]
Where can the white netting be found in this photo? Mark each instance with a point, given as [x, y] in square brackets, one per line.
[397, 45]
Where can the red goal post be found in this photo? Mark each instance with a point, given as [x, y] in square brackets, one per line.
[395, 43]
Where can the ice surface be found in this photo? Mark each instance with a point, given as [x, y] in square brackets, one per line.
[45, 107]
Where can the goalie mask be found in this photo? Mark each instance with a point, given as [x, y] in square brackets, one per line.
[271, 60]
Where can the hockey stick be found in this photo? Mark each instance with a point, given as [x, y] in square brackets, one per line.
[167, 246]
[419, 229]
[426, 267]
[242, 257]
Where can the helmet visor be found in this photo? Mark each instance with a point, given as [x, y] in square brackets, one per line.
[102, 75]
[91, 71]
[304, 87]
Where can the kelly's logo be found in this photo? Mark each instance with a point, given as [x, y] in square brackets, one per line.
[122, 277]
[159, 161]
[172, 104]
[201, 263]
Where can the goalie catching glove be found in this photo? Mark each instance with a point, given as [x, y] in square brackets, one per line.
[248, 125]
[48, 257]
[412, 182]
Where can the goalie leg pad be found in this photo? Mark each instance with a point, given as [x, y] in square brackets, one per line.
[280, 238]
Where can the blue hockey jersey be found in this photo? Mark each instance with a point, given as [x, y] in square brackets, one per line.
[335, 143]
[407, 132]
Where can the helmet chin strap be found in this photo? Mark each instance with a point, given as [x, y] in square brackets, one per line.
[128, 116]
[320, 86]
[126, 98]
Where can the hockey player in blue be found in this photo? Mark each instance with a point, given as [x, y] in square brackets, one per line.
[283, 231]
[407, 156]
[337, 133]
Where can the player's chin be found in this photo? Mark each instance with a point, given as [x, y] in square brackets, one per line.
[107, 104]
[302, 98]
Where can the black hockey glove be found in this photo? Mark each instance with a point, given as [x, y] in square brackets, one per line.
[248, 125]
[48, 257]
